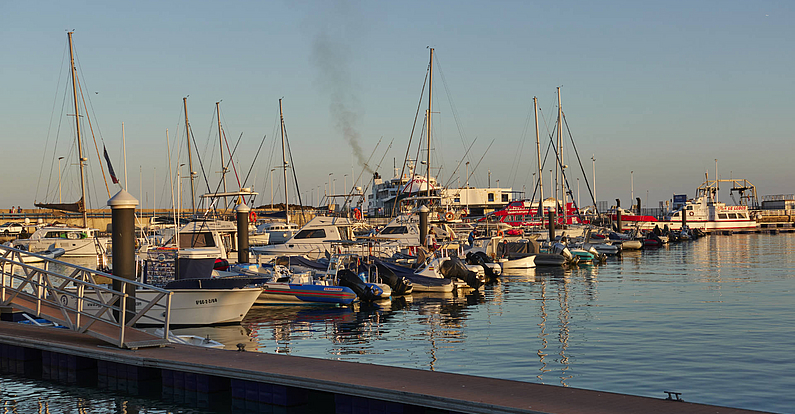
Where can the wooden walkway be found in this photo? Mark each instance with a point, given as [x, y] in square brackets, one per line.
[440, 391]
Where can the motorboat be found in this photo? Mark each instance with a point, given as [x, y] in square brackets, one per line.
[314, 240]
[278, 232]
[281, 286]
[75, 241]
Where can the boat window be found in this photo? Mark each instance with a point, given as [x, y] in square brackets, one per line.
[743, 216]
[311, 234]
[457, 200]
[732, 215]
[395, 230]
[689, 207]
[55, 235]
[505, 198]
[722, 216]
[491, 197]
[191, 240]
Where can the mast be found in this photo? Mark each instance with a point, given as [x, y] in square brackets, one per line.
[538, 153]
[221, 142]
[430, 95]
[561, 188]
[284, 166]
[77, 126]
[190, 157]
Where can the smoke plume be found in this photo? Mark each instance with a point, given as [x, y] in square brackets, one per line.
[331, 54]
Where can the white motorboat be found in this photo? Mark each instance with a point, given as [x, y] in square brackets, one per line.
[75, 241]
[314, 240]
[278, 232]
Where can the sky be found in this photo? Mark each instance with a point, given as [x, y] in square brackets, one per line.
[655, 92]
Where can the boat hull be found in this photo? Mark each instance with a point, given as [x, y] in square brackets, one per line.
[296, 294]
[192, 306]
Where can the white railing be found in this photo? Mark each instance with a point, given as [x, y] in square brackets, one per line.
[82, 299]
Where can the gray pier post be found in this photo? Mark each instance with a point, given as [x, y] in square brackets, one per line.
[551, 226]
[423, 211]
[242, 211]
[122, 207]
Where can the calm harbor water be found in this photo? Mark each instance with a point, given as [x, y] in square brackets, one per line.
[712, 319]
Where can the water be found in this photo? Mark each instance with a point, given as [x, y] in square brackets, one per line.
[711, 319]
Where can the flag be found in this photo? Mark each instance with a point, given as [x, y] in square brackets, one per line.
[110, 166]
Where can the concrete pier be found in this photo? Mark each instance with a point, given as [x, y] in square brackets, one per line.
[259, 382]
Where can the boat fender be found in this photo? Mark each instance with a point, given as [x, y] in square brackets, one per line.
[252, 216]
[221, 264]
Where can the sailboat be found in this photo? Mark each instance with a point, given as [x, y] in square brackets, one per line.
[75, 241]
[277, 231]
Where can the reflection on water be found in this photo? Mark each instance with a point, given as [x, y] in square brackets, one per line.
[23, 396]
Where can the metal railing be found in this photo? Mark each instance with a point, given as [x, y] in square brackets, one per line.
[82, 299]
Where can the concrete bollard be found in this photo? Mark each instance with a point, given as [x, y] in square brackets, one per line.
[122, 207]
[242, 212]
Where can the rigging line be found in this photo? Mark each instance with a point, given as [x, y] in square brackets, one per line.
[255, 159]
[49, 128]
[452, 174]
[91, 128]
[55, 147]
[349, 196]
[518, 155]
[295, 175]
[585, 176]
[566, 185]
[413, 126]
[233, 162]
[482, 156]
[453, 108]
[199, 158]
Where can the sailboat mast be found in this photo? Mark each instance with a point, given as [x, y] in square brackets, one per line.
[221, 142]
[77, 125]
[284, 165]
[538, 153]
[190, 157]
[430, 95]
[560, 158]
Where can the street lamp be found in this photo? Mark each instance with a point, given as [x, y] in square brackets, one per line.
[632, 187]
[60, 200]
[328, 189]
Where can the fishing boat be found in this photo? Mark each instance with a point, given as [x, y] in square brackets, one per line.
[703, 212]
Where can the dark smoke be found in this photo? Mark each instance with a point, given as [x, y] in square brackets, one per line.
[332, 58]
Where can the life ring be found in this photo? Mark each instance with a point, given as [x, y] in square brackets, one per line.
[499, 233]
[691, 213]
[252, 216]
[449, 215]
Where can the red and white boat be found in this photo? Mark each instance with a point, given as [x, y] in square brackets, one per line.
[525, 214]
[703, 212]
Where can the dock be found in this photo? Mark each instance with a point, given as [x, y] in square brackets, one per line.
[261, 382]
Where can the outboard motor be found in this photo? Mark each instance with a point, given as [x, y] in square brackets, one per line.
[480, 258]
[561, 249]
[365, 292]
[454, 268]
[399, 284]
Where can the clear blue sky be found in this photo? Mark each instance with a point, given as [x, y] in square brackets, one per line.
[661, 89]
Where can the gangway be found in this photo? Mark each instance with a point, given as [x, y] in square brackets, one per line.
[82, 299]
